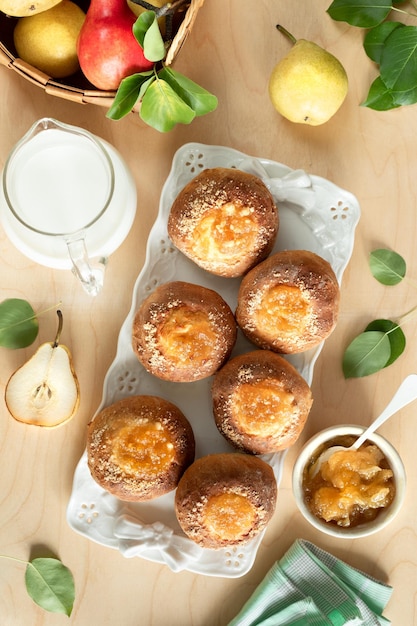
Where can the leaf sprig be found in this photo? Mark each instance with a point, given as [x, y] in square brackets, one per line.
[49, 583]
[19, 325]
[167, 97]
[390, 44]
[382, 341]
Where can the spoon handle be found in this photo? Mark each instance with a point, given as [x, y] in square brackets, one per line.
[406, 393]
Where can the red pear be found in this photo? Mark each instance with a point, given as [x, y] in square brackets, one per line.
[107, 50]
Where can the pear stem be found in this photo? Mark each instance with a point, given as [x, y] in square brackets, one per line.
[59, 331]
[285, 32]
[167, 9]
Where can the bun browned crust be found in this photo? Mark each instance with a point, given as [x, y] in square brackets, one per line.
[138, 448]
[289, 302]
[183, 332]
[260, 402]
[225, 499]
[225, 220]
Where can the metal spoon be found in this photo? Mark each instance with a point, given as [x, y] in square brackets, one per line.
[406, 393]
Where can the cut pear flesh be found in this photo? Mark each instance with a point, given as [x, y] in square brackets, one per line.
[45, 390]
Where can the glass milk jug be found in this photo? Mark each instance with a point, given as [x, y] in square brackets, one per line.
[67, 200]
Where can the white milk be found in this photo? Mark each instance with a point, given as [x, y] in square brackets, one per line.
[60, 183]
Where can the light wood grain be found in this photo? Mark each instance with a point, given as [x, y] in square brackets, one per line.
[231, 51]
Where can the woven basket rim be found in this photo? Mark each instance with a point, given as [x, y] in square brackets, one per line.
[91, 95]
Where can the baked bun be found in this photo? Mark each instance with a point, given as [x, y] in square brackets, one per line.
[289, 302]
[225, 499]
[183, 332]
[138, 448]
[224, 220]
[260, 402]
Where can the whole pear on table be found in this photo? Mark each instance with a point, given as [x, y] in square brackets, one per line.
[309, 85]
[44, 391]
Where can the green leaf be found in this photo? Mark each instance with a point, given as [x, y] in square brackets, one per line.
[18, 324]
[162, 108]
[368, 353]
[362, 13]
[147, 34]
[51, 585]
[387, 266]
[379, 97]
[375, 39]
[197, 98]
[141, 26]
[130, 91]
[399, 60]
[402, 98]
[395, 335]
[167, 97]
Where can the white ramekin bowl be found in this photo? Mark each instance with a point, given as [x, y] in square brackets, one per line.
[384, 517]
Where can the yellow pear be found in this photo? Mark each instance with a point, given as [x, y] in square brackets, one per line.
[44, 391]
[309, 85]
[23, 8]
[48, 40]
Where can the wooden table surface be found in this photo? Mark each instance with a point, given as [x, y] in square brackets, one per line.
[231, 51]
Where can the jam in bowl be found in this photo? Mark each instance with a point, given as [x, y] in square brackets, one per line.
[355, 492]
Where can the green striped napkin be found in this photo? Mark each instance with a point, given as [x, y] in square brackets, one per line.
[311, 587]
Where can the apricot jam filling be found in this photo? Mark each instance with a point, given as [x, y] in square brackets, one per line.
[187, 336]
[257, 407]
[352, 487]
[226, 232]
[283, 307]
[143, 449]
[229, 515]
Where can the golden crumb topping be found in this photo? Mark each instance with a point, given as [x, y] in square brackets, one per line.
[225, 233]
[187, 336]
[283, 307]
[143, 448]
[262, 408]
[229, 515]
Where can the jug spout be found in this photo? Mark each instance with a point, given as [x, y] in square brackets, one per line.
[90, 273]
[46, 123]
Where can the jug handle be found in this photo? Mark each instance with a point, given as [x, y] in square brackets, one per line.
[91, 277]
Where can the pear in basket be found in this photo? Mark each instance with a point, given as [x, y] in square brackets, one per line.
[22, 8]
[107, 49]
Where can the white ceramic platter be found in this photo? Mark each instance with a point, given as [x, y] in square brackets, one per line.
[314, 215]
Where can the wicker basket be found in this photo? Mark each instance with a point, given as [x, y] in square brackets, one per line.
[77, 88]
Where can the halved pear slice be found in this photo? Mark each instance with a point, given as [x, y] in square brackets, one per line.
[45, 390]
